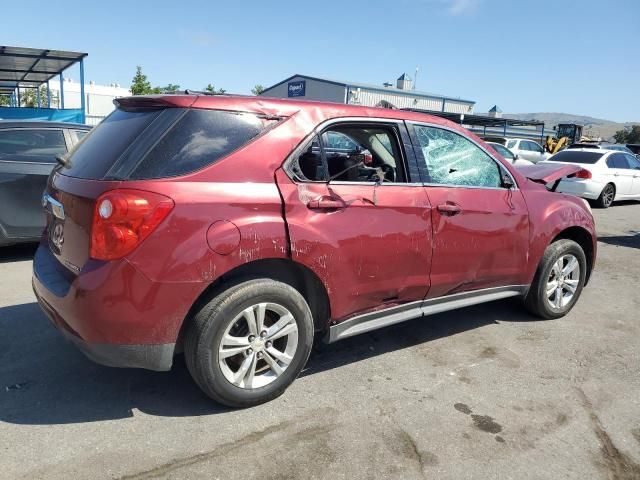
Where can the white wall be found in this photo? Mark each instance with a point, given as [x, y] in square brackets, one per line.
[98, 101]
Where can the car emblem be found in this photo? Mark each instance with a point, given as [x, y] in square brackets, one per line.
[57, 237]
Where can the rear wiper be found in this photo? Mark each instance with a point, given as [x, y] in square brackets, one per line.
[62, 161]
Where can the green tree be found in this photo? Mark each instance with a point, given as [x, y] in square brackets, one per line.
[628, 135]
[29, 97]
[257, 90]
[210, 88]
[140, 85]
[171, 88]
[5, 100]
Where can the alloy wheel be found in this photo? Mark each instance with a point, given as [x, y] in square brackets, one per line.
[258, 345]
[563, 281]
[607, 195]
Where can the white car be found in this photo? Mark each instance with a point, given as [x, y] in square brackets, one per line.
[527, 149]
[608, 175]
[508, 155]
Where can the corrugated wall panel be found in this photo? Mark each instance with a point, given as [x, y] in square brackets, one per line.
[371, 98]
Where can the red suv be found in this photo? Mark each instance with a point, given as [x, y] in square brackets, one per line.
[237, 228]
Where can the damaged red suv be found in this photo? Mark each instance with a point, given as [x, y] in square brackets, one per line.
[238, 229]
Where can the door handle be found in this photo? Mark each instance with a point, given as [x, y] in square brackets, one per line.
[449, 209]
[325, 203]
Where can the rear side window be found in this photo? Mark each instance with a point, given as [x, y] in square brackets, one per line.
[574, 156]
[198, 139]
[103, 146]
[161, 143]
[511, 143]
[25, 142]
[617, 160]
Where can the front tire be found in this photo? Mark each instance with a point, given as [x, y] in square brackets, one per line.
[607, 196]
[250, 342]
[559, 280]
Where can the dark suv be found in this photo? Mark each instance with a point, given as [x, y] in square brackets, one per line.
[237, 229]
[28, 153]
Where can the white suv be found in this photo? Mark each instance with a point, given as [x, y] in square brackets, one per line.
[527, 149]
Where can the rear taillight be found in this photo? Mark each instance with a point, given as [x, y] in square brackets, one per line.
[122, 219]
[584, 173]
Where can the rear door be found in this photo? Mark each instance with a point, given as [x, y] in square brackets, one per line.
[620, 173]
[367, 232]
[635, 166]
[27, 156]
[480, 228]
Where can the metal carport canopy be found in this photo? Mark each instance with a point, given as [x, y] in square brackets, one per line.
[31, 67]
[479, 120]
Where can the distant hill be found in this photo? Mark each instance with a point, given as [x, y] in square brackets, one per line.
[594, 127]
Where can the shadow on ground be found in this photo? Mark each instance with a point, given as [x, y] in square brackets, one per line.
[18, 253]
[45, 380]
[631, 241]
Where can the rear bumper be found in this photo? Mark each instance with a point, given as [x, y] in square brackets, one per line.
[581, 188]
[111, 312]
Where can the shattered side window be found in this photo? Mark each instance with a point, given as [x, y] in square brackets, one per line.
[454, 160]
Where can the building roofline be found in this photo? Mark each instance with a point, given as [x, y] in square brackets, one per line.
[415, 93]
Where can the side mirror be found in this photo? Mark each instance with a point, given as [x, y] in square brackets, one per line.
[516, 156]
[507, 181]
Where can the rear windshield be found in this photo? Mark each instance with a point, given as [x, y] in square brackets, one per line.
[148, 144]
[574, 156]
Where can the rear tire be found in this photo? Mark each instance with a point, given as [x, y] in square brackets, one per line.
[559, 280]
[250, 342]
[607, 196]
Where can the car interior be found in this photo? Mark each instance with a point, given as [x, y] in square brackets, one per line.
[352, 154]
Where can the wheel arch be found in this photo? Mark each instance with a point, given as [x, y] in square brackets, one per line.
[284, 270]
[583, 238]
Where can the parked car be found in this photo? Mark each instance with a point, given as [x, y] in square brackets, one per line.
[508, 155]
[218, 225]
[607, 175]
[602, 146]
[27, 155]
[527, 149]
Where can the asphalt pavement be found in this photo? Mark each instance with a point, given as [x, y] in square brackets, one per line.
[483, 392]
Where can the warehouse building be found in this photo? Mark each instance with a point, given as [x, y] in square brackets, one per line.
[402, 95]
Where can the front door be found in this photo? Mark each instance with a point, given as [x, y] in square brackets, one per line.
[357, 218]
[480, 227]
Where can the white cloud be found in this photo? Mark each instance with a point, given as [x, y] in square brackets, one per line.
[460, 7]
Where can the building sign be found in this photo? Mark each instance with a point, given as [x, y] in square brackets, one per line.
[296, 89]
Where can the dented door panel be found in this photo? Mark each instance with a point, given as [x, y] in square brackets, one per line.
[372, 251]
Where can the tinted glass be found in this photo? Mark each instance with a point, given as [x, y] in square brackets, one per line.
[106, 142]
[575, 156]
[80, 134]
[633, 161]
[309, 165]
[454, 160]
[505, 152]
[32, 143]
[198, 139]
[617, 160]
[534, 147]
[511, 143]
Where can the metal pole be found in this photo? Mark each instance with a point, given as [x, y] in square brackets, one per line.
[82, 99]
[61, 101]
[18, 95]
[48, 95]
[38, 95]
[505, 128]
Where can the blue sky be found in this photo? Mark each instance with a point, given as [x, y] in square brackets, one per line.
[572, 56]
